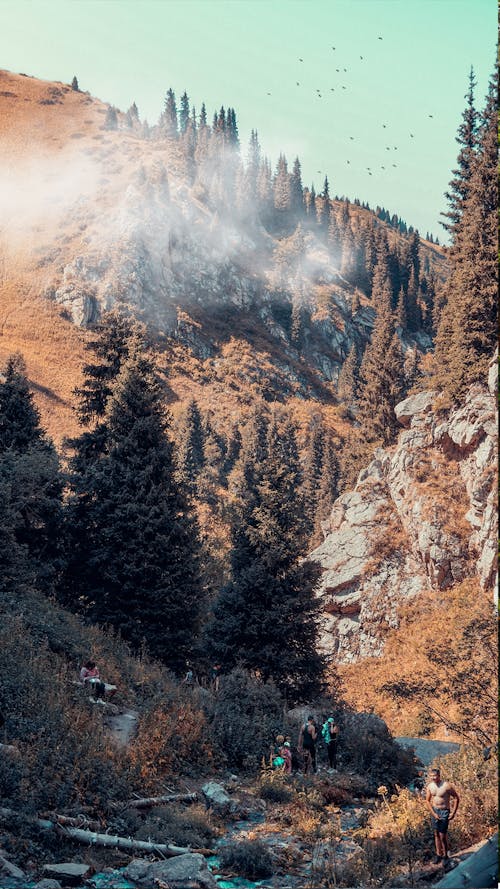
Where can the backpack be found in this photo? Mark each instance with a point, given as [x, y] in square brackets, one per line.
[325, 732]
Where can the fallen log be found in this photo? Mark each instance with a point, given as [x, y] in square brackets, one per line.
[149, 802]
[72, 821]
[91, 838]
[103, 839]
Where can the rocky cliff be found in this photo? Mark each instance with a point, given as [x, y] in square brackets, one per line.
[421, 517]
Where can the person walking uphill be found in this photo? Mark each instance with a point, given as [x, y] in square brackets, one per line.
[330, 736]
[442, 801]
[307, 744]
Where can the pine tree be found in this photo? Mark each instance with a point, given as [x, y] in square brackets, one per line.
[347, 385]
[191, 447]
[296, 190]
[170, 115]
[267, 618]
[467, 331]
[111, 119]
[184, 113]
[381, 376]
[467, 139]
[135, 550]
[282, 188]
[74, 85]
[31, 479]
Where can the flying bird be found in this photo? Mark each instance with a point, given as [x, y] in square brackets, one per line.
[380, 38]
[301, 60]
[395, 148]
[370, 174]
[344, 87]
[351, 137]
[333, 47]
[337, 70]
[269, 94]
[361, 57]
[384, 125]
[298, 84]
[431, 115]
[348, 162]
[345, 69]
[383, 168]
[332, 89]
[411, 136]
[394, 165]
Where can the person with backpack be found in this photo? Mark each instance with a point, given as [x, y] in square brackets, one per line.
[308, 736]
[329, 733]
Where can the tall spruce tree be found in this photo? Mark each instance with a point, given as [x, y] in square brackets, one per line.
[134, 557]
[468, 328]
[191, 447]
[171, 126]
[467, 139]
[31, 480]
[381, 377]
[267, 618]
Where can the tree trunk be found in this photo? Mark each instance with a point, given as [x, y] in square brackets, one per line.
[151, 801]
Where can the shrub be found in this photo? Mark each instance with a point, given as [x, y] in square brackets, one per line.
[275, 792]
[245, 718]
[370, 750]
[189, 828]
[249, 858]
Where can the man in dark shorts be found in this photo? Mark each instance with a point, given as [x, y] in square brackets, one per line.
[307, 744]
[442, 801]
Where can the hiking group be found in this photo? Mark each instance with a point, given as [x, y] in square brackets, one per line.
[303, 757]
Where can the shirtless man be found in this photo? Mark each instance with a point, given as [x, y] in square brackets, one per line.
[442, 801]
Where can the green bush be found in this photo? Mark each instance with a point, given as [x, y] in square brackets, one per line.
[245, 718]
[249, 858]
[275, 792]
[189, 828]
[368, 748]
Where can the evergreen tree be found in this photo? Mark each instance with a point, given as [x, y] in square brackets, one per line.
[267, 618]
[30, 479]
[282, 188]
[135, 551]
[191, 447]
[347, 385]
[74, 85]
[184, 113]
[467, 139]
[170, 115]
[467, 331]
[381, 376]
[111, 119]
[296, 190]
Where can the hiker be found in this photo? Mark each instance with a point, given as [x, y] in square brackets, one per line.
[307, 744]
[329, 734]
[286, 753]
[215, 677]
[90, 673]
[442, 801]
[189, 677]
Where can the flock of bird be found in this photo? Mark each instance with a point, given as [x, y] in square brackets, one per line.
[319, 95]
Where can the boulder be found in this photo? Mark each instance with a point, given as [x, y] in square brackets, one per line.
[47, 883]
[416, 404]
[189, 870]
[216, 798]
[69, 873]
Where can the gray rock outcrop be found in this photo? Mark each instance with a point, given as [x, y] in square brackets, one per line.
[189, 870]
[422, 516]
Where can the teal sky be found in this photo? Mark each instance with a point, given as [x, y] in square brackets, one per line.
[235, 52]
